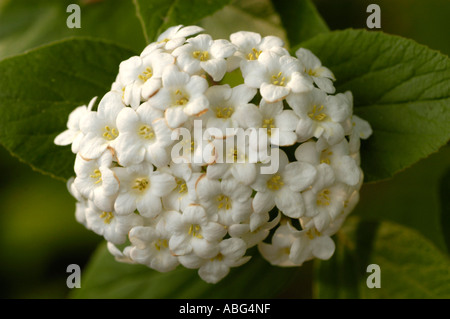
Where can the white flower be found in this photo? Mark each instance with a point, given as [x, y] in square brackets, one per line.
[150, 247]
[278, 252]
[141, 188]
[250, 45]
[172, 38]
[184, 193]
[120, 256]
[204, 53]
[183, 163]
[255, 230]
[310, 243]
[279, 124]
[231, 254]
[196, 150]
[360, 130]
[112, 227]
[226, 201]
[81, 204]
[233, 158]
[192, 231]
[95, 180]
[283, 188]
[73, 134]
[345, 168]
[181, 96]
[326, 198]
[276, 76]
[141, 76]
[99, 128]
[320, 115]
[144, 135]
[321, 75]
[225, 106]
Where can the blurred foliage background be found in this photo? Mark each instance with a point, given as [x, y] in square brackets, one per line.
[39, 236]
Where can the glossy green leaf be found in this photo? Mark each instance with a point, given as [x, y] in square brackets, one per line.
[402, 88]
[107, 278]
[40, 89]
[410, 265]
[301, 20]
[24, 26]
[158, 15]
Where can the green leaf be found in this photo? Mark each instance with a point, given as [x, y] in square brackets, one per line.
[40, 89]
[107, 278]
[300, 19]
[402, 88]
[23, 27]
[410, 265]
[411, 198]
[158, 15]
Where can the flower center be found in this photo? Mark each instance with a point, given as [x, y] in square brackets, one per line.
[278, 79]
[311, 72]
[181, 186]
[147, 74]
[146, 132]
[180, 98]
[275, 182]
[324, 157]
[201, 55]
[317, 113]
[107, 216]
[223, 202]
[254, 55]
[312, 233]
[141, 184]
[323, 198]
[219, 257]
[194, 230]
[161, 244]
[268, 124]
[110, 133]
[224, 112]
[97, 175]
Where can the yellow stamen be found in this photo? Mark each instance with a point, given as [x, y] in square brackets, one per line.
[146, 132]
[181, 186]
[141, 184]
[254, 55]
[97, 175]
[323, 198]
[278, 79]
[224, 112]
[316, 113]
[312, 233]
[223, 201]
[161, 244]
[180, 98]
[201, 55]
[110, 133]
[107, 216]
[325, 157]
[268, 124]
[147, 74]
[194, 230]
[275, 182]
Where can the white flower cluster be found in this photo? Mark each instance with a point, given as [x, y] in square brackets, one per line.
[203, 212]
